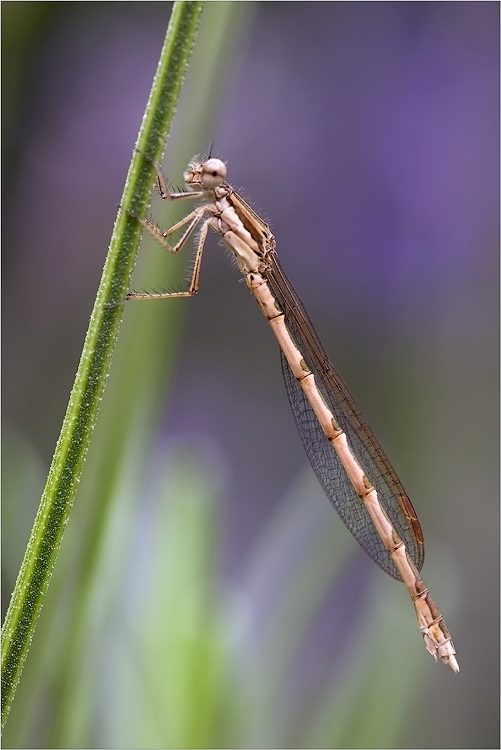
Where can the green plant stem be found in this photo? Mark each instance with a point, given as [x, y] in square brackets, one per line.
[43, 546]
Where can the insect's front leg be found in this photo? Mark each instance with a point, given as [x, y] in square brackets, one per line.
[162, 186]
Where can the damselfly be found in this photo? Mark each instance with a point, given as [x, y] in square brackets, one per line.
[348, 461]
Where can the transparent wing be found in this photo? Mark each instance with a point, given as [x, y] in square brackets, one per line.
[364, 445]
[332, 476]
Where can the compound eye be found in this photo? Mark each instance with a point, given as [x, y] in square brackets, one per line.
[213, 173]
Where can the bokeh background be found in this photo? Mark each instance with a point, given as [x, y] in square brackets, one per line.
[206, 594]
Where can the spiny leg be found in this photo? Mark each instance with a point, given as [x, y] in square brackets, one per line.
[195, 276]
[194, 217]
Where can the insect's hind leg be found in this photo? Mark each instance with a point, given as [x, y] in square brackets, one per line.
[195, 276]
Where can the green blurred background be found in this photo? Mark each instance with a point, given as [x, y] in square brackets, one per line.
[206, 594]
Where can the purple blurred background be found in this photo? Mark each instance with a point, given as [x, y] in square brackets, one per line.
[369, 135]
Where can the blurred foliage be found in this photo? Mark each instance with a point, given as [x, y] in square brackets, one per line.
[174, 656]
